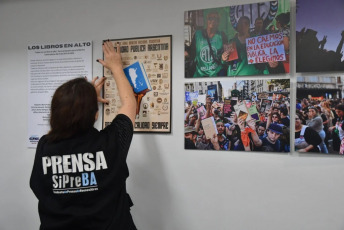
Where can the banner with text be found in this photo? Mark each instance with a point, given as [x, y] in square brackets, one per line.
[50, 65]
[265, 48]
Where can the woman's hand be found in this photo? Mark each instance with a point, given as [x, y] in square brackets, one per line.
[112, 57]
[234, 118]
[113, 62]
[98, 85]
[241, 124]
[215, 141]
[225, 55]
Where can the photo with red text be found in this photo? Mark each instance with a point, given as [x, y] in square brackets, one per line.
[240, 40]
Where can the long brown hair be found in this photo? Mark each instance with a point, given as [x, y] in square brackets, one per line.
[73, 109]
[326, 106]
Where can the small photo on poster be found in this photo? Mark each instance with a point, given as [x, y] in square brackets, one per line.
[240, 40]
[246, 115]
[319, 118]
[319, 35]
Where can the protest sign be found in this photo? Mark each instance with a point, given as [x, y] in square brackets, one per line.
[265, 48]
[191, 96]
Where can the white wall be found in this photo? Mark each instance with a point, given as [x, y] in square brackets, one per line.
[172, 189]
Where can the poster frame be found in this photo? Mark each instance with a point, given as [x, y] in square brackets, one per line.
[169, 130]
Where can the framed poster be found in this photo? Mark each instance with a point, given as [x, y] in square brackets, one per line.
[240, 40]
[319, 36]
[247, 115]
[154, 56]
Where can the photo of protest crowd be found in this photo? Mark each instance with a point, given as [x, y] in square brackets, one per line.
[245, 115]
[319, 35]
[250, 39]
[319, 115]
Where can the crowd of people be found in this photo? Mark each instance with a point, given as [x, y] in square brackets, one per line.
[318, 126]
[269, 133]
[211, 52]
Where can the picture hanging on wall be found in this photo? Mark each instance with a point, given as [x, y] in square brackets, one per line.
[237, 115]
[319, 119]
[319, 35]
[241, 40]
[147, 63]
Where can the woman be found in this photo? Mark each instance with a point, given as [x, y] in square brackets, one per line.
[338, 129]
[202, 141]
[316, 123]
[273, 118]
[206, 49]
[79, 174]
[240, 66]
[220, 141]
[306, 139]
[327, 120]
[326, 109]
[247, 132]
[276, 118]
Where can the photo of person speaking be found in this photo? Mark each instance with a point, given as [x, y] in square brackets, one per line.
[245, 115]
[241, 40]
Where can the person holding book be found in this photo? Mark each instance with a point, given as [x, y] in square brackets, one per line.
[220, 141]
[246, 132]
[240, 66]
[79, 173]
[206, 49]
[202, 142]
